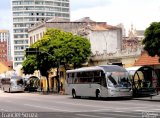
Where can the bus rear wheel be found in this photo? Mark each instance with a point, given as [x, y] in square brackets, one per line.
[97, 94]
[74, 93]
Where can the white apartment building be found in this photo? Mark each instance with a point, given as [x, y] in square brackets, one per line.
[28, 12]
[5, 45]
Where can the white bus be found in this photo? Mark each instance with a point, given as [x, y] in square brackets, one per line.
[12, 84]
[98, 81]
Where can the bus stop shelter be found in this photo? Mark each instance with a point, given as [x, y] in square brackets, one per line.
[144, 80]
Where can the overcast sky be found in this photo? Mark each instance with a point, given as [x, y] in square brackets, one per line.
[140, 13]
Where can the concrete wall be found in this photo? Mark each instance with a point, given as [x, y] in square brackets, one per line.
[107, 41]
[128, 62]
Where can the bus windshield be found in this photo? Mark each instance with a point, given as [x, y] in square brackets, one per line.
[118, 79]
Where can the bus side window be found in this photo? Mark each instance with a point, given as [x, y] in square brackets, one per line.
[103, 79]
[97, 76]
[102, 74]
[75, 80]
[69, 78]
[72, 77]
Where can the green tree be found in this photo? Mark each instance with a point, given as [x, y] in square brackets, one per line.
[29, 65]
[152, 39]
[39, 60]
[57, 48]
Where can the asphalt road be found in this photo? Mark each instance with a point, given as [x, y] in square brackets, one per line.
[64, 106]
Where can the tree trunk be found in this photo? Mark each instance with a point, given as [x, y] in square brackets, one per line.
[57, 78]
[74, 66]
[65, 67]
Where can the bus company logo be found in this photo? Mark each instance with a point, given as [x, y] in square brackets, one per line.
[150, 115]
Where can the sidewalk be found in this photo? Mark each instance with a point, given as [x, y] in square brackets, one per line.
[151, 98]
[47, 93]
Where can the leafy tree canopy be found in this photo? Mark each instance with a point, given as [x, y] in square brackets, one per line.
[57, 47]
[152, 39]
[30, 64]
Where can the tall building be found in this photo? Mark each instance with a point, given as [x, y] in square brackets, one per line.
[28, 12]
[5, 47]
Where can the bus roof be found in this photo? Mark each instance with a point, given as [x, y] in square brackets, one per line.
[105, 68]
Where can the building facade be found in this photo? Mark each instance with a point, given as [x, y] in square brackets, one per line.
[101, 35]
[28, 12]
[5, 47]
[5, 51]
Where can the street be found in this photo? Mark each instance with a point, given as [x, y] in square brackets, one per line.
[64, 106]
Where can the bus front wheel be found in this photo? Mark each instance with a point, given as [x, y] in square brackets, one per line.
[74, 93]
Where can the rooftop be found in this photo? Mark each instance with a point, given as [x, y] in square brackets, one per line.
[90, 24]
[145, 59]
[84, 19]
